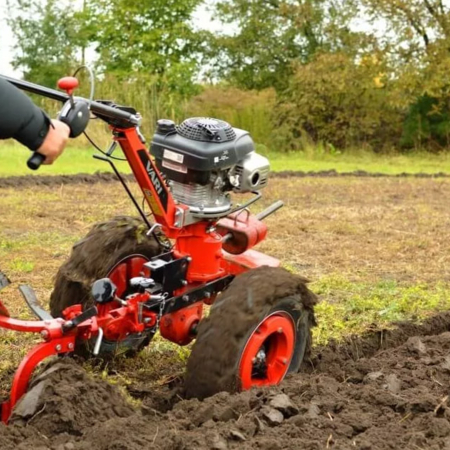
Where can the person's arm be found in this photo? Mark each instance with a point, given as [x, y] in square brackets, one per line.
[23, 121]
[20, 118]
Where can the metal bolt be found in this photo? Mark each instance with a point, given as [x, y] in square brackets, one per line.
[185, 298]
[44, 334]
[188, 259]
[207, 294]
[70, 346]
[147, 320]
[280, 330]
[284, 361]
[254, 360]
[58, 348]
[184, 282]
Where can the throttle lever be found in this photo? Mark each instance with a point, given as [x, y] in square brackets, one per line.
[85, 315]
[75, 112]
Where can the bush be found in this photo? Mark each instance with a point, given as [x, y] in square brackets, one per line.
[248, 110]
[339, 102]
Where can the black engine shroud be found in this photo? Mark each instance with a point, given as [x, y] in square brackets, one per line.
[188, 153]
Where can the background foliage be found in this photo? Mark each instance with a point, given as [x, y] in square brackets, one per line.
[339, 73]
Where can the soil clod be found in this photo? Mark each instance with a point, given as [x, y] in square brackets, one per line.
[283, 403]
[272, 416]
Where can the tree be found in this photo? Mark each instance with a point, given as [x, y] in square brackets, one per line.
[270, 35]
[415, 26]
[418, 36]
[46, 41]
[150, 40]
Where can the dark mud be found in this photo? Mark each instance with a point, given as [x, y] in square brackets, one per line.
[57, 180]
[389, 394]
[104, 177]
[95, 255]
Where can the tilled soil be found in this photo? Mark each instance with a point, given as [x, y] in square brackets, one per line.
[383, 391]
[106, 177]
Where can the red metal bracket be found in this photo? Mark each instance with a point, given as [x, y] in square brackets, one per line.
[27, 366]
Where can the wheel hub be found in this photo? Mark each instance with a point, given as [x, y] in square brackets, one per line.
[268, 352]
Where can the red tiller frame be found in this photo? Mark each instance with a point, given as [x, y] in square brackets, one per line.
[56, 343]
[200, 242]
[124, 319]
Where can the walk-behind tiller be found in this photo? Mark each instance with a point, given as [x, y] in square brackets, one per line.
[198, 251]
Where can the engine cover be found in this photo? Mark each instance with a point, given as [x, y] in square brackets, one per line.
[190, 152]
[204, 159]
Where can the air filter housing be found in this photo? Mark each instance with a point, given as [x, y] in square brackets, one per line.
[205, 129]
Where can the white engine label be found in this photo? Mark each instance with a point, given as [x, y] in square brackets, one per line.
[176, 167]
[169, 154]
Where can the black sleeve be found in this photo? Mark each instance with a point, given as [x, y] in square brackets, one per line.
[20, 118]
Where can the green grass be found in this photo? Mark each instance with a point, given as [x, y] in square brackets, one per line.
[367, 161]
[79, 160]
[74, 160]
[19, 265]
[348, 308]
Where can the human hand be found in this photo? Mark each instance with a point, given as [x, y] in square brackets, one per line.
[54, 142]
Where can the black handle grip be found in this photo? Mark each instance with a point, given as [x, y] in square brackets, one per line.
[35, 161]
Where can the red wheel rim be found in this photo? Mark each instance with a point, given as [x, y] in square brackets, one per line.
[122, 272]
[274, 338]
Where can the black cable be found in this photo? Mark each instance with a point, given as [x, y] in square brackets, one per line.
[100, 150]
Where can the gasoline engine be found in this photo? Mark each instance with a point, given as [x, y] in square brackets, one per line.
[203, 160]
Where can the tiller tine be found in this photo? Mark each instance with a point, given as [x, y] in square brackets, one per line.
[4, 280]
[32, 302]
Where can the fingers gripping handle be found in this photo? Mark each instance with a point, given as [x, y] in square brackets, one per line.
[35, 161]
[75, 114]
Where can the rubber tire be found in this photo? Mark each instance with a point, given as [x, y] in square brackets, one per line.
[92, 258]
[214, 362]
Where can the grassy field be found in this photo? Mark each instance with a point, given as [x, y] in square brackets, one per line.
[75, 160]
[376, 251]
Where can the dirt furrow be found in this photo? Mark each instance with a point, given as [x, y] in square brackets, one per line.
[382, 391]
